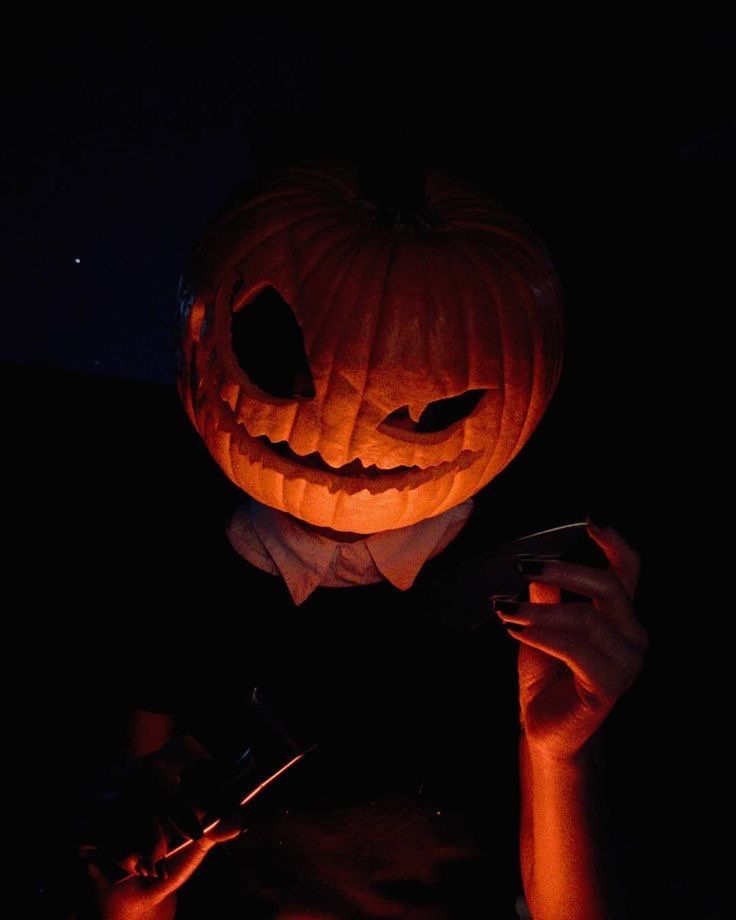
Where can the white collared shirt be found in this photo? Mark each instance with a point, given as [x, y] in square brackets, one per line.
[277, 543]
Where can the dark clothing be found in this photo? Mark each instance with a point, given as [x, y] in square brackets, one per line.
[409, 805]
[130, 592]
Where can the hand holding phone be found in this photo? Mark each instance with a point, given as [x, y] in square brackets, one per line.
[581, 644]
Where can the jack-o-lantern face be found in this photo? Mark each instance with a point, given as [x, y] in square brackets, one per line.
[361, 376]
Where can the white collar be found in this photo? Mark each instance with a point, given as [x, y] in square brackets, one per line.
[278, 543]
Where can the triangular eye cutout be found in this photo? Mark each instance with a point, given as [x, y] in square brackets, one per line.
[438, 415]
[268, 343]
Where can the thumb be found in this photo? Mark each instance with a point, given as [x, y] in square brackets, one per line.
[226, 830]
[225, 835]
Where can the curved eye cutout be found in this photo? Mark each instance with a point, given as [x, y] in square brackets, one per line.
[268, 344]
[438, 415]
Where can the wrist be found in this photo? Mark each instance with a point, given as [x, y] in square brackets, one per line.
[554, 758]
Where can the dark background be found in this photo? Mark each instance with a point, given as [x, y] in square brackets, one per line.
[615, 143]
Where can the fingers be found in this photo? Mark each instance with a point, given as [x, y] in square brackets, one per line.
[129, 863]
[578, 618]
[149, 850]
[623, 559]
[608, 593]
[603, 679]
[225, 831]
[179, 868]
[581, 579]
[154, 852]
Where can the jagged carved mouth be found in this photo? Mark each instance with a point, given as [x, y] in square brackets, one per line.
[349, 478]
[315, 462]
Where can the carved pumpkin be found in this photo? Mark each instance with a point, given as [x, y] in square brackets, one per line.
[363, 367]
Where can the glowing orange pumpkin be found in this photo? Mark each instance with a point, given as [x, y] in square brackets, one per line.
[363, 368]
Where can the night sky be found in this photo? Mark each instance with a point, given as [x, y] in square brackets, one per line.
[614, 142]
[121, 143]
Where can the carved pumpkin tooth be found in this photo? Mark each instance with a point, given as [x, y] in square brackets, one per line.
[230, 392]
[447, 307]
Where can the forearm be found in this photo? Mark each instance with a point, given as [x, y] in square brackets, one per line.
[163, 910]
[561, 855]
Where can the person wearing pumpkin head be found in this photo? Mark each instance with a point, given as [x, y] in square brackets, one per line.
[420, 333]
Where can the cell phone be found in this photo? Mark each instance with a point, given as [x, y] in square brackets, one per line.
[217, 787]
[464, 598]
[568, 542]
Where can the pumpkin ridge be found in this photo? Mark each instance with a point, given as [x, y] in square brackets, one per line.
[334, 242]
[380, 315]
[492, 224]
[245, 257]
[389, 253]
[528, 297]
[451, 270]
[482, 286]
[482, 252]
[390, 256]
[225, 220]
[290, 201]
[542, 294]
[524, 294]
[361, 253]
[466, 260]
[352, 251]
[349, 318]
[227, 224]
[251, 252]
[502, 351]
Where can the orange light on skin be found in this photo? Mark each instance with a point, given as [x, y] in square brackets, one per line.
[251, 795]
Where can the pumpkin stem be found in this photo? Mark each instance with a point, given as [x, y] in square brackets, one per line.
[392, 182]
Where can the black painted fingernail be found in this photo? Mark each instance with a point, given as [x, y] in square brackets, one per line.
[597, 520]
[514, 628]
[505, 606]
[530, 566]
